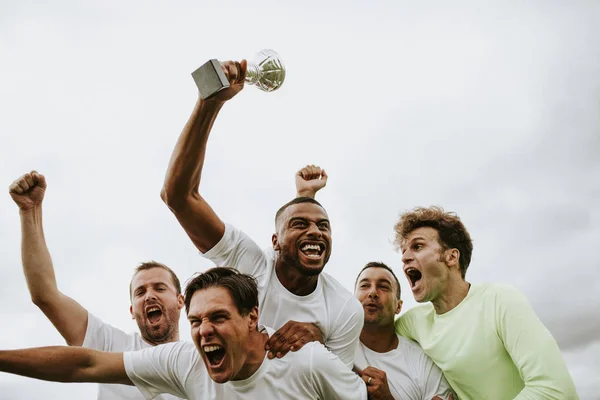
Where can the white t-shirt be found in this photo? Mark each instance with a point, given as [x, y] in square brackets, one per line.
[411, 375]
[330, 306]
[309, 373]
[105, 337]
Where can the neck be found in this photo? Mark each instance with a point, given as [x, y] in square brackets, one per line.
[379, 338]
[173, 337]
[293, 280]
[255, 356]
[454, 293]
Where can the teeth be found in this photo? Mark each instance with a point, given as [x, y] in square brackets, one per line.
[151, 309]
[311, 247]
[208, 349]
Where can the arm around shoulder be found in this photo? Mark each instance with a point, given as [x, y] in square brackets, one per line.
[333, 379]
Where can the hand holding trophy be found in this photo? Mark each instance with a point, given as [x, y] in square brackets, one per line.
[266, 71]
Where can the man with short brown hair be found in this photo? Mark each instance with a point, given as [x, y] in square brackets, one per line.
[486, 338]
[155, 293]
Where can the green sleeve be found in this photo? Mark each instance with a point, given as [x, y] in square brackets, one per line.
[404, 326]
[532, 349]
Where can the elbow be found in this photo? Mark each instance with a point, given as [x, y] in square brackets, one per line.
[41, 301]
[177, 200]
[171, 197]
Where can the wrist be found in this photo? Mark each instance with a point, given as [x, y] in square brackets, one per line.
[306, 193]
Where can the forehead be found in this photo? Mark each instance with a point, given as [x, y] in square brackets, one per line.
[304, 210]
[151, 276]
[214, 298]
[424, 233]
[376, 274]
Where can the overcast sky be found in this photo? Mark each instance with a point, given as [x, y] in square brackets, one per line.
[492, 111]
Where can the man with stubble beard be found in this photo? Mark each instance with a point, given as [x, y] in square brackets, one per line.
[295, 296]
[155, 293]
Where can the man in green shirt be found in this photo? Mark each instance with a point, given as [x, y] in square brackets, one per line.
[486, 338]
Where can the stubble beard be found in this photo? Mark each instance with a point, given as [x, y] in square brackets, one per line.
[163, 333]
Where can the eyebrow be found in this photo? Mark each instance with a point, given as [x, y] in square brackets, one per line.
[380, 280]
[305, 219]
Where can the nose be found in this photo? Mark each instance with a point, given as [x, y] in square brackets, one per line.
[150, 295]
[373, 292]
[206, 329]
[407, 257]
[313, 230]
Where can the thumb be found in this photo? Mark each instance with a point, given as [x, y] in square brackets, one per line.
[39, 179]
[324, 175]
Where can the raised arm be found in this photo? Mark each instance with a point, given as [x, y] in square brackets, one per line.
[65, 364]
[68, 316]
[309, 180]
[182, 182]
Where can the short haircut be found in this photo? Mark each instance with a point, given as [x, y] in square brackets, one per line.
[297, 200]
[153, 264]
[452, 232]
[375, 264]
[242, 288]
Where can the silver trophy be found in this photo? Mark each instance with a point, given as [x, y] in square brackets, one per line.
[266, 71]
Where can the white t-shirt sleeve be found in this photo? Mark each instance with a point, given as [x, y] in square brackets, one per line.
[102, 336]
[237, 250]
[332, 380]
[432, 380]
[344, 340]
[161, 369]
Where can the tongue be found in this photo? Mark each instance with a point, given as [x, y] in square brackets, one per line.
[215, 357]
[154, 316]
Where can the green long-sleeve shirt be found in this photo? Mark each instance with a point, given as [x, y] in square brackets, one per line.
[491, 346]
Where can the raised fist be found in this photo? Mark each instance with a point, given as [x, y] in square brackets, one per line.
[309, 180]
[28, 191]
[236, 74]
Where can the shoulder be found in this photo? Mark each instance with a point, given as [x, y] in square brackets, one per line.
[411, 322]
[100, 335]
[416, 312]
[334, 291]
[498, 293]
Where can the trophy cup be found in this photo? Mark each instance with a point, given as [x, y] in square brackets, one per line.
[266, 71]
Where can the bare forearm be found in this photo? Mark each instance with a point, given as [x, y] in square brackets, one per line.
[185, 166]
[62, 364]
[37, 263]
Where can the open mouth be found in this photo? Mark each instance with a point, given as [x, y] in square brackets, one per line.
[215, 355]
[414, 275]
[153, 314]
[313, 250]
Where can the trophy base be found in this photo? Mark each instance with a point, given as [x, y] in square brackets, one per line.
[210, 79]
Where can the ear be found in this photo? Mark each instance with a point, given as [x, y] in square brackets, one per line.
[398, 307]
[131, 312]
[275, 242]
[180, 301]
[253, 319]
[452, 257]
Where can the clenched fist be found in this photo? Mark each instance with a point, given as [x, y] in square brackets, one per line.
[309, 180]
[236, 74]
[28, 191]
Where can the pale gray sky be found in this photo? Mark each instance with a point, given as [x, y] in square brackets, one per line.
[490, 110]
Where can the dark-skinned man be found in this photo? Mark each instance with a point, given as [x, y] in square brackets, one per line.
[295, 296]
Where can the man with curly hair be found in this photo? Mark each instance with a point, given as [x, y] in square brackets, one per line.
[486, 338]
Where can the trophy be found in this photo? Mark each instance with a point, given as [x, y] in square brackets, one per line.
[266, 71]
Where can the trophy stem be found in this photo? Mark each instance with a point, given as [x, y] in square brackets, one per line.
[252, 74]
